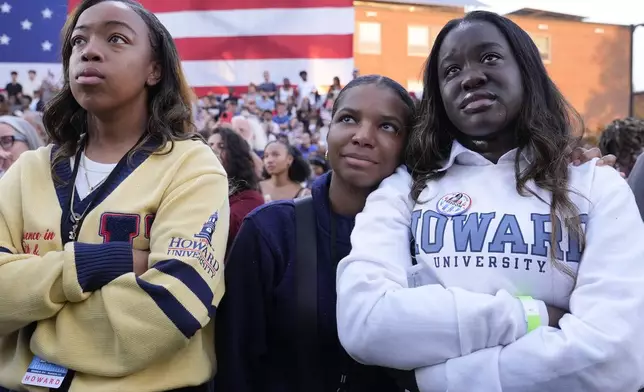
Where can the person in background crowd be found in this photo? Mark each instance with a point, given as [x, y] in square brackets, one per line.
[259, 138]
[241, 125]
[355, 73]
[291, 107]
[4, 105]
[31, 85]
[256, 331]
[97, 275]
[295, 128]
[305, 89]
[268, 87]
[211, 124]
[224, 118]
[285, 172]
[281, 118]
[24, 103]
[251, 106]
[243, 184]
[227, 113]
[624, 139]
[231, 107]
[283, 138]
[319, 166]
[270, 127]
[264, 101]
[48, 89]
[198, 118]
[286, 91]
[206, 133]
[489, 172]
[37, 105]
[13, 88]
[246, 128]
[305, 146]
[636, 182]
[325, 118]
[35, 119]
[304, 113]
[251, 94]
[230, 94]
[267, 116]
[16, 137]
[334, 89]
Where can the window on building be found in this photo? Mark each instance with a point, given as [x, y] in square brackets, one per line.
[368, 38]
[418, 41]
[543, 44]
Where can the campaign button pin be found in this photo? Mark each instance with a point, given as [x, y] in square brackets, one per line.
[454, 204]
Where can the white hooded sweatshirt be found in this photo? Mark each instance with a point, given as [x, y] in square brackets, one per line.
[455, 318]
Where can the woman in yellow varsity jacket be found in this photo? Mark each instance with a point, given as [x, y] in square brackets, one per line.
[112, 240]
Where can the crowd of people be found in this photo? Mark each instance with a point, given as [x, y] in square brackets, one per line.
[297, 117]
[467, 241]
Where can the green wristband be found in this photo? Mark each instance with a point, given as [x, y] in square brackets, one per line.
[531, 310]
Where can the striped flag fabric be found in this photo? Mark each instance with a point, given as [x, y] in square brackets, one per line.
[222, 43]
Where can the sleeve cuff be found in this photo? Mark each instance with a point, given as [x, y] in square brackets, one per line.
[98, 264]
[519, 319]
[522, 323]
[543, 313]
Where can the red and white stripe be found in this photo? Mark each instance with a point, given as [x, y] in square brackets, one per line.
[230, 43]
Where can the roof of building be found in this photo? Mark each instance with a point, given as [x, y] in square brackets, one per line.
[444, 3]
[542, 13]
[550, 14]
[522, 10]
[566, 12]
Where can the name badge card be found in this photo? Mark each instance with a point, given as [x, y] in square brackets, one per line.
[41, 373]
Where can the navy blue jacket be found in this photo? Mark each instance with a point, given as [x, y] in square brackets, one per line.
[256, 320]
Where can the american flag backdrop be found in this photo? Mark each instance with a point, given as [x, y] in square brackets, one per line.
[222, 43]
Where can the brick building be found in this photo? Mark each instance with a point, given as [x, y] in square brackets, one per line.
[638, 104]
[589, 62]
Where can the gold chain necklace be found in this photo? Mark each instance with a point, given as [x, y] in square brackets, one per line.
[89, 183]
[75, 217]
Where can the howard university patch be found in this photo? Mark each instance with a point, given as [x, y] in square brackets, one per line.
[208, 229]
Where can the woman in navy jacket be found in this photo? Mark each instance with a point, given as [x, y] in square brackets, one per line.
[256, 323]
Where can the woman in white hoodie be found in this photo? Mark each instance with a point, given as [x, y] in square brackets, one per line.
[457, 271]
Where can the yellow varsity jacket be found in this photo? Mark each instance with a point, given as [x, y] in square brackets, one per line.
[79, 305]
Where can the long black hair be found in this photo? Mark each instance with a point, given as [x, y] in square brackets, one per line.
[299, 171]
[545, 126]
[169, 101]
[238, 161]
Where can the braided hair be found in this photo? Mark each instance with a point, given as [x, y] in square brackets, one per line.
[625, 139]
